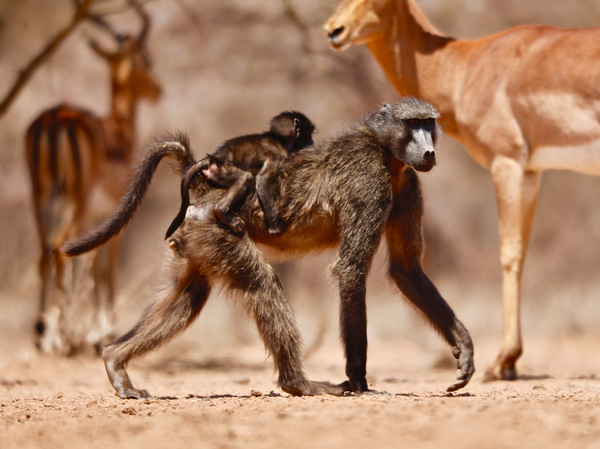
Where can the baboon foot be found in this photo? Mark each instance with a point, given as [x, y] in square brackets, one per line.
[465, 365]
[313, 388]
[133, 393]
[233, 221]
[118, 377]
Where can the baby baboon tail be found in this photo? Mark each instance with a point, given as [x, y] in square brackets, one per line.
[189, 174]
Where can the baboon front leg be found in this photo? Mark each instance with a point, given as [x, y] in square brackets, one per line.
[353, 325]
[174, 311]
[359, 240]
[405, 245]
[264, 187]
[419, 290]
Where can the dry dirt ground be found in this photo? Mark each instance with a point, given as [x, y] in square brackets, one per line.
[231, 401]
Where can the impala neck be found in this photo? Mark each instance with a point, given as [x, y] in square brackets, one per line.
[410, 54]
[121, 122]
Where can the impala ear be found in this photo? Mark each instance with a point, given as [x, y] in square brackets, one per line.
[124, 70]
[99, 50]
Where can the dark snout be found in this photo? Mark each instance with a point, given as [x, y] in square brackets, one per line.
[421, 150]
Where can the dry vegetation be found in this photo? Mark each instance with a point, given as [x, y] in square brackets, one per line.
[227, 67]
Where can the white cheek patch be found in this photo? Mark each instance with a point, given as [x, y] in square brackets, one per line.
[201, 212]
[581, 158]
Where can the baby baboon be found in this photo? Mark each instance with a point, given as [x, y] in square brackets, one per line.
[347, 194]
[229, 165]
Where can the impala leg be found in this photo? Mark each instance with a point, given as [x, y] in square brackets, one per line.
[516, 192]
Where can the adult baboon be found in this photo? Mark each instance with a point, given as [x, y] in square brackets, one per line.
[230, 164]
[346, 193]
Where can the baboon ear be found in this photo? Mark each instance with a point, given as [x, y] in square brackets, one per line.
[374, 119]
[296, 128]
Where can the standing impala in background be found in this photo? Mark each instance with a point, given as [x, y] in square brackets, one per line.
[79, 166]
[521, 102]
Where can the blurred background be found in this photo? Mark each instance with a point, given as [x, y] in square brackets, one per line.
[226, 68]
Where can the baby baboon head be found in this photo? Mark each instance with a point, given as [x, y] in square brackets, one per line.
[294, 128]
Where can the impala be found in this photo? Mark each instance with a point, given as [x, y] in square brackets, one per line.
[521, 102]
[80, 165]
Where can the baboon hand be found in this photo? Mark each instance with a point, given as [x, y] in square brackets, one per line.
[465, 365]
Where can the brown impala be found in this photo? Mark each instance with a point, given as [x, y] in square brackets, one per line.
[521, 102]
[80, 165]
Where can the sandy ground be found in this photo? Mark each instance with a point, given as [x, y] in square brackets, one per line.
[231, 401]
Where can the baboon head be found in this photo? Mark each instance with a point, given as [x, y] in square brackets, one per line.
[409, 130]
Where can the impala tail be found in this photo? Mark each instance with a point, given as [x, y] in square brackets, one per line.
[173, 146]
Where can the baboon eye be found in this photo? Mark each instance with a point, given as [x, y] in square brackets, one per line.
[412, 121]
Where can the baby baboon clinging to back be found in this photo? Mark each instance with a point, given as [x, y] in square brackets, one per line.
[230, 164]
[347, 194]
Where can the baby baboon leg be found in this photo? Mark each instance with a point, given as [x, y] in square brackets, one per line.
[264, 187]
[405, 244]
[235, 194]
[187, 181]
[177, 308]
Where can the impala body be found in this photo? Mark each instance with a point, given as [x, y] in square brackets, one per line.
[80, 165]
[521, 102]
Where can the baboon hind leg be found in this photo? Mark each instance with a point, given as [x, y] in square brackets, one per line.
[250, 275]
[173, 312]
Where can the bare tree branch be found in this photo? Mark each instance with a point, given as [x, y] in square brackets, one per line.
[24, 74]
[302, 27]
[191, 15]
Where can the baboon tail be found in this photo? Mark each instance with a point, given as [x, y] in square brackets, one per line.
[174, 146]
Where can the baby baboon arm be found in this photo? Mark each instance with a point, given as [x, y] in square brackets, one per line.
[264, 187]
